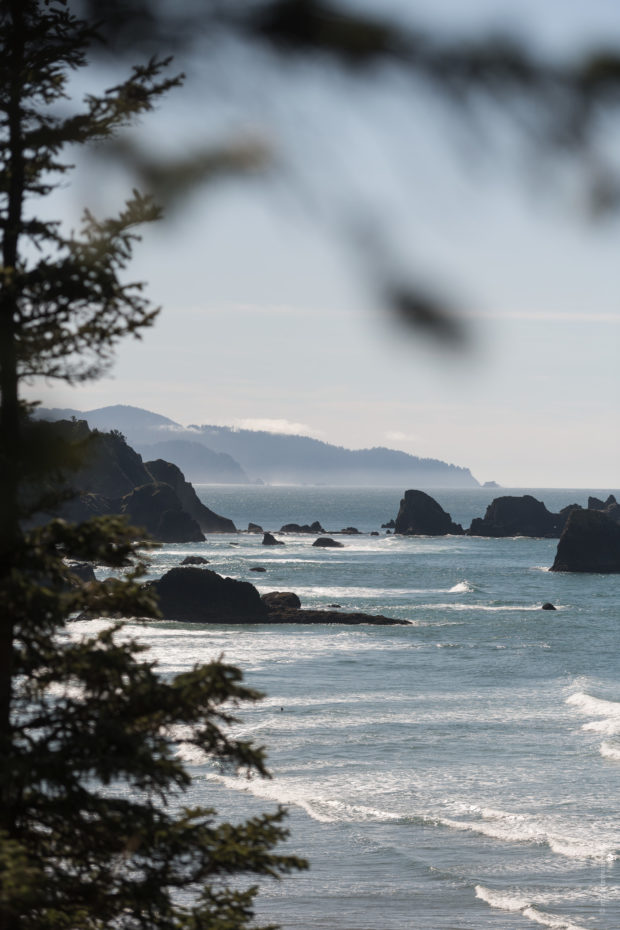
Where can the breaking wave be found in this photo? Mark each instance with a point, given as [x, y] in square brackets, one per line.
[518, 904]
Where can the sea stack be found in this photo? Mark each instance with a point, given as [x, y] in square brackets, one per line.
[590, 543]
[421, 515]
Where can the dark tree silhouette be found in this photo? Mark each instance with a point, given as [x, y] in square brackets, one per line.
[82, 716]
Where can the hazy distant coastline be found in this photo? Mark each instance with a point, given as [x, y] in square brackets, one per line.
[223, 455]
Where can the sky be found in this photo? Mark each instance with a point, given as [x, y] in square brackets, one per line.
[271, 318]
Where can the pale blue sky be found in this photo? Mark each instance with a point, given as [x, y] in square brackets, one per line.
[267, 313]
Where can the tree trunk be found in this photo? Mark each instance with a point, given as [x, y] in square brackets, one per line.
[10, 447]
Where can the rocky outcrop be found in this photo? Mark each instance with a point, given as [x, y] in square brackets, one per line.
[350, 531]
[302, 528]
[590, 543]
[194, 560]
[610, 507]
[255, 528]
[270, 540]
[199, 595]
[207, 520]
[280, 600]
[305, 616]
[326, 542]
[421, 515]
[518, 516]
[156, 509]
[109, 478]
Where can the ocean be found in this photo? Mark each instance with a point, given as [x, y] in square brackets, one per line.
[461, 772]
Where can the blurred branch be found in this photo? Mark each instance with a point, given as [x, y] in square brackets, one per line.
[558, 105]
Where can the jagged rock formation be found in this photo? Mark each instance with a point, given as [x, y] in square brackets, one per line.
[519, 516]
[207, 520]
[113, 479]
[590, 543]
[270, 540]
[156, 509]
[302, 528]
[421, 515]
[610, 507]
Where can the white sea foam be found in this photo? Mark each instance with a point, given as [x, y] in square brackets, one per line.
[609, 751]
[323, 810]
[595, 707]
[523, 828]
[608, 725]
[463, 587]
[340, 592]
[517, 904]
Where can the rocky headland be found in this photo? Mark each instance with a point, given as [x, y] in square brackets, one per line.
[112, 479]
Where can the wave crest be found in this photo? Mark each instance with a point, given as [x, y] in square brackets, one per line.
[517, 904]
[462, 587]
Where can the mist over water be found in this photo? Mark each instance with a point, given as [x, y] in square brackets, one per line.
[461, 771]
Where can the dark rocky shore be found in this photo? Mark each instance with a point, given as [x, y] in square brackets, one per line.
[199, 595]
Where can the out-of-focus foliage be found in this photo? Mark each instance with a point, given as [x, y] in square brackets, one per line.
[559, 106]
[84, 716]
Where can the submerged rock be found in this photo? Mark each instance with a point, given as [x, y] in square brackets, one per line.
[308, 617]
[421, 515]
[548, 606]
[590, 543]
[194, 560]
[326, 542]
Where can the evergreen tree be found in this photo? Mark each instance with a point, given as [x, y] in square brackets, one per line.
[81, 718]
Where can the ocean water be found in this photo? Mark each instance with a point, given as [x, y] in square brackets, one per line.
[461, 772]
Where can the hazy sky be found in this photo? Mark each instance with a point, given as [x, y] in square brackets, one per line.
[269, 315]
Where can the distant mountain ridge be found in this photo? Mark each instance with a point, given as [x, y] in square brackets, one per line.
[221, 454]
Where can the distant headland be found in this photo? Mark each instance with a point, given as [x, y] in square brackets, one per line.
[223, 455]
